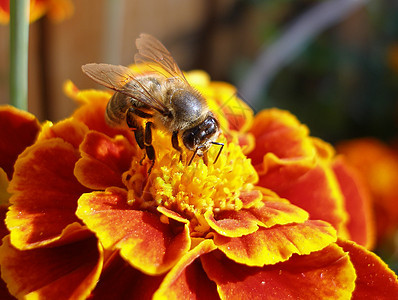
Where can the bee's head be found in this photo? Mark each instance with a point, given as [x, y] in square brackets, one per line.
[200, 137]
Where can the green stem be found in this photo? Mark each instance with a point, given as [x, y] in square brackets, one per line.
[19, 42]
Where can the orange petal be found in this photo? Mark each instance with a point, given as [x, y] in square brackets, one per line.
[245, 140]
[324, 150]
[284, 151]
[70, 271]
[37, 9]
[104, 160]
[187, 280]
[172, 214]
[326, 274]
[317, 192]
[268, 246]
[238, 223]
[374, 279]
[378, 165]
[59, 10]
[148, 244]
[92, 111]
[232, 113]
[237, 113]
[280, 133]
[3, 228]
[278, 213]
[232, 223]
[4, 12]
[70, 130]
[19, 130]
[357, 203]
[45, 193]
[250, 198]
[119, 280]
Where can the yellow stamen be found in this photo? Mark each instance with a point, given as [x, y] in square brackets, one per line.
[192, 190]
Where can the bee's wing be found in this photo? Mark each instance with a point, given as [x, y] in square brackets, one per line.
[151, 51]
[116, 77]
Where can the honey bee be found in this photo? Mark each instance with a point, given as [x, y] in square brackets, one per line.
[163, 98]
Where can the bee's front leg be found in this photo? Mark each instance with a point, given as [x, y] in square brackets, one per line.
[174, 142]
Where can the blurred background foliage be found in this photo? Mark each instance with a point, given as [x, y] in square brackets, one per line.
[342, 82]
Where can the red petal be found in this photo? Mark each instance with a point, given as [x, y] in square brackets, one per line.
[272, 245]
[326, 274]
[119, 280]
[104, 160]
[280, 133]
[187, 280]
[4, 293]
[148, 244]
[378, 165]
[374, 279]
[19, 130]
[319, 194]
[70, 271]
[5, 6]
[92, 112]
[45, 194]
[4, 183]
[357, 202]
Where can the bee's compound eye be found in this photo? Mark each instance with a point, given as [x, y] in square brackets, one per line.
[201, 134]
[189, 138]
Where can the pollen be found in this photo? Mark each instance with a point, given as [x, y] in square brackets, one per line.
[191, 190]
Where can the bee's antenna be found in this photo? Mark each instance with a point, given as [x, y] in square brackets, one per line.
[194, 154]
[219, 152]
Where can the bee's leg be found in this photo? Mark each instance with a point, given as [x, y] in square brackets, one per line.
[142, 159]
[137, 128]
[174, 142]
[139, 134]
[193, 155]
[139, 137]
[205, 159]
[150, 151]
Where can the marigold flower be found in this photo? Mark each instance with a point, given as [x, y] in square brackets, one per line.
[262, 222]
[19, 130]
[56, 10]
[377, 163]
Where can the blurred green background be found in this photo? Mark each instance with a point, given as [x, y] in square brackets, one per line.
[344, 82]
[341, 80]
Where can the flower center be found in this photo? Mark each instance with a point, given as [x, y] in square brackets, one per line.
[192, 190]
